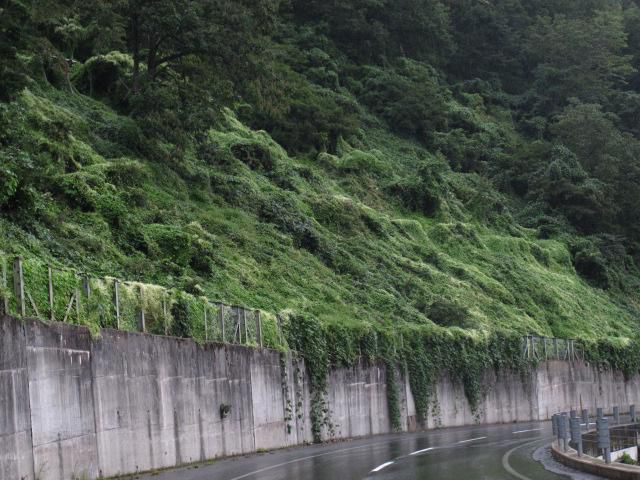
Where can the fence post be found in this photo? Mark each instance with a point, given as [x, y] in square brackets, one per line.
[52, 313]
[281, 335]
[534, 353]
[258, 317]
[77, 305]
[141, 320]
[221, 318]
[238, 324]
[164, 313]
[616, 415]
[632, 413]
[244, 322]
[18, 283]
[5, 298]
[555, 347]
[116, 301]
[206, 330]
[86, 286]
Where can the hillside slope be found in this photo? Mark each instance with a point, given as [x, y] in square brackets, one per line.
[351, 238]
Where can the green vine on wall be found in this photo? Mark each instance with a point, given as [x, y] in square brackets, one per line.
[426, 352]
[623, 356]
[393, 396]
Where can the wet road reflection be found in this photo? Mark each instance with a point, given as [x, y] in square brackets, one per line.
[484, 452]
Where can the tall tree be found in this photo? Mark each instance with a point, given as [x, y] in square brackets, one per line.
[578, 57]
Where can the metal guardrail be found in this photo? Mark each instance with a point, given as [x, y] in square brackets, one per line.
[613, 433]
[546, 348]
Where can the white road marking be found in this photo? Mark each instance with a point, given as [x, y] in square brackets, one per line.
[422, 451]
[531, 430]
[381, 467]
[309, 457]
[508, 467]
[471, 440]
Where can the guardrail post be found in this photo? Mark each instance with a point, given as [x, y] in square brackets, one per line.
[585, 418]
[18, 283]
[576, 434]
[563, 428]
[616, 415]
[604, 438]
[632, 413]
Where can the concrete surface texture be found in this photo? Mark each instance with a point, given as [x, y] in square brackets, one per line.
[75, 407]
[590, 465]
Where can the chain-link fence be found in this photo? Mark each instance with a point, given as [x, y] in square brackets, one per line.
[32, 288]
[545, 348]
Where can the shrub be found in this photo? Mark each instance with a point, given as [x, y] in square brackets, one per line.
[357, 161]
[592, 267]
[282, 211]
[180, 327]
[165, 241]
[254, 155]
[105, 75]
[627, 460]
[445, 313]
[408, 97]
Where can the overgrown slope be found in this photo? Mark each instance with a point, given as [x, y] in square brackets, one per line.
[381, 233]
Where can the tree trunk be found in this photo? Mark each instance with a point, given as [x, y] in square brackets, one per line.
[135, 34]
[152, 59]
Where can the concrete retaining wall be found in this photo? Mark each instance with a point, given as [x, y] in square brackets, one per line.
[76, 407]
[16, 447]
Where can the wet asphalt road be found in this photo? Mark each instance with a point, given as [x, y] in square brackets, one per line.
[497, 452]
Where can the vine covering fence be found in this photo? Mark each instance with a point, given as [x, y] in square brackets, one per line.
[545, 348]
[30, 287]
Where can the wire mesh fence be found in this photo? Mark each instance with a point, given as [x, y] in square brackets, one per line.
[32, 288]
[621, 438]
[545, 348]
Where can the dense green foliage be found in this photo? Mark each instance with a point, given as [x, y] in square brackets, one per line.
[408, 180]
